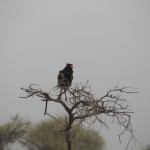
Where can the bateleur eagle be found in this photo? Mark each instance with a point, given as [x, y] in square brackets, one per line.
[65, 76]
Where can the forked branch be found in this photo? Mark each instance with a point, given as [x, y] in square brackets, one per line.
[82, 106]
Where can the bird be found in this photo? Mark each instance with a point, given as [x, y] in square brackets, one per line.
[65, 76]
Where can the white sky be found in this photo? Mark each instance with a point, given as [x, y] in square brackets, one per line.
[107, 41]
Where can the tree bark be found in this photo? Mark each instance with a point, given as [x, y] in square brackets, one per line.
[67, 132]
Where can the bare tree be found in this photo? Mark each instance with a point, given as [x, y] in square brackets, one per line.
[82, 106]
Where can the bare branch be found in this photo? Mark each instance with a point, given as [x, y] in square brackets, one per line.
[82, 106]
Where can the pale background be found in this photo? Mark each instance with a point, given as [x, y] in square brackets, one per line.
[107, 41]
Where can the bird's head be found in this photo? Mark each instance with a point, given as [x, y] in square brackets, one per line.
[70, 66]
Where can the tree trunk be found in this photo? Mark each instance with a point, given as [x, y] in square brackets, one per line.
[67, 133]
[69, 143]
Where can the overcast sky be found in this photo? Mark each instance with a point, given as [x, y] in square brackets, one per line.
[107, 41]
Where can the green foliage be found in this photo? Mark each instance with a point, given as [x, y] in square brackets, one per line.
[47, 135]
[12, 131]
[88, 139]
[147, 147]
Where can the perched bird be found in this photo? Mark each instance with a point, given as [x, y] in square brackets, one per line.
[65, 76]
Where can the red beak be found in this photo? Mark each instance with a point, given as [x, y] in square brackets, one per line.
[72, 66]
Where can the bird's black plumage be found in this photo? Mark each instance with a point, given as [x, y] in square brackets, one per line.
[65, 76]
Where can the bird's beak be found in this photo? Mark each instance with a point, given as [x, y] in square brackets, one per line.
[72, 66]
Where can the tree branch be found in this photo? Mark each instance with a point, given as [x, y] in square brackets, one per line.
[82, 105]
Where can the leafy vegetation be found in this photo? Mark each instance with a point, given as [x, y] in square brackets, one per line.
[47, 135]
[13, 131]
[147, 147]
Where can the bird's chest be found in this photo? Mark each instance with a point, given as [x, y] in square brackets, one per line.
[68, 74]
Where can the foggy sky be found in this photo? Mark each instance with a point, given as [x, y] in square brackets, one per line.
[107, 41]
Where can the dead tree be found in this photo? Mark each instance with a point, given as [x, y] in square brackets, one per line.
[83, 107]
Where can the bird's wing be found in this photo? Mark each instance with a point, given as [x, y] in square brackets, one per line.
[60, 76]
